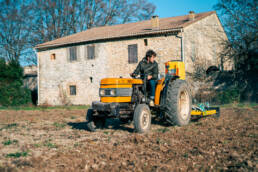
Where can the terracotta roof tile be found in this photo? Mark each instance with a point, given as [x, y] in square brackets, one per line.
[125, 30]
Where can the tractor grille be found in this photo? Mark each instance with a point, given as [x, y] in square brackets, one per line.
[115, 92]
[107, 92]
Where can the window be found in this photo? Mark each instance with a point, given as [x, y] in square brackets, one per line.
[146, 42]
[72, 90]
[73, 53]
[132, 53]
[53, 56]
[91, 52]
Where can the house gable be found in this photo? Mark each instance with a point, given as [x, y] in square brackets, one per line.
[203, 42]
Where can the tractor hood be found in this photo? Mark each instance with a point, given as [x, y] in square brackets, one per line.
[120, 81]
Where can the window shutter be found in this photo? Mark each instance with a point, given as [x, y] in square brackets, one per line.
[133, 53]
[73, 53]
[91, 52]
[78, 53]
[68, 54]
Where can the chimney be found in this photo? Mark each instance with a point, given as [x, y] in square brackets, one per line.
[191, 15]
[155, 22]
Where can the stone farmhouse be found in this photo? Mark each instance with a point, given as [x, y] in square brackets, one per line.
[70, 68]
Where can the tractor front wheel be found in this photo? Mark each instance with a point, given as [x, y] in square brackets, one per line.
[94, 122]
[142, 118]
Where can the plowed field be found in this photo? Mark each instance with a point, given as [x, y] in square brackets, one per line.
[56, 140]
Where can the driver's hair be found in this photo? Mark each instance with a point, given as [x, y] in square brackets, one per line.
[150, 53]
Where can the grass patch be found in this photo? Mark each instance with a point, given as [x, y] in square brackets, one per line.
[77, 144]
[40, 108]
[159, 141]
[59, 125]
[8, 126]
[162, 130]
[37, 145]
[106, 132]
[50, 145]
[109, 138]
[185, 155]
[9, 142]
[17, 155]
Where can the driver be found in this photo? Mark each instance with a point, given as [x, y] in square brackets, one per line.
[149, 67]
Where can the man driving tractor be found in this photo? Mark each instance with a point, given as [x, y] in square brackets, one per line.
[148, 67]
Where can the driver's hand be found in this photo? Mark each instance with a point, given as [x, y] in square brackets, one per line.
[132, 75]
[149, 77]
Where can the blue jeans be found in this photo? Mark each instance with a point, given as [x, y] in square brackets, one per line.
[152, 85]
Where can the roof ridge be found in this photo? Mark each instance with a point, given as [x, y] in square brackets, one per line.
[105, 26]
[130, 29]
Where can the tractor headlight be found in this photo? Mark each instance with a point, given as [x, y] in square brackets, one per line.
[112, 92]
[102, 92]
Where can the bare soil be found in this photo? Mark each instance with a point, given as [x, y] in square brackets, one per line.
[57, 140]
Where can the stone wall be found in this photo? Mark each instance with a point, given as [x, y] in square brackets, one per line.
[166, 47]
[203, 43]
[55, 76]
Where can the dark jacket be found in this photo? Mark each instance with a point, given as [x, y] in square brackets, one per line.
[147, 68]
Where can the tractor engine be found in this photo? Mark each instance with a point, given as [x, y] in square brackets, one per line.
[117, 90]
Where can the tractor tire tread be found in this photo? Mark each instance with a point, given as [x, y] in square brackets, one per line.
[136, 118]
[171, 101]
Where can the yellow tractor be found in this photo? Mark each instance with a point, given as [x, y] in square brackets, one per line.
[127, 99]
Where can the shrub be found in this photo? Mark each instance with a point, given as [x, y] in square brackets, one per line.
[228, 96]
[11, 85]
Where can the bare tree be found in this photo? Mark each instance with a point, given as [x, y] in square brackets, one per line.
[26, 23]
[56, 18]
[14, 29]
[241, 24]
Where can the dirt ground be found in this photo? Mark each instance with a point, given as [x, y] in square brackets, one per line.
[56, 140]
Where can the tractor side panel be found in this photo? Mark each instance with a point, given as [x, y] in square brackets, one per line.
[116, 86]
[116, 99]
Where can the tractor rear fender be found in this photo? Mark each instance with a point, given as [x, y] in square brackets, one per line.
[160, 86]
[162, 83]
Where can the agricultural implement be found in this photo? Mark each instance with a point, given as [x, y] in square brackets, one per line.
[204, 109]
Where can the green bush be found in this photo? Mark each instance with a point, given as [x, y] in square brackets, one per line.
[12, 92]
[228, 96]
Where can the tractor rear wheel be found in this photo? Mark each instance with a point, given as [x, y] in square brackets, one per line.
[178, 103]
[142, 118]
